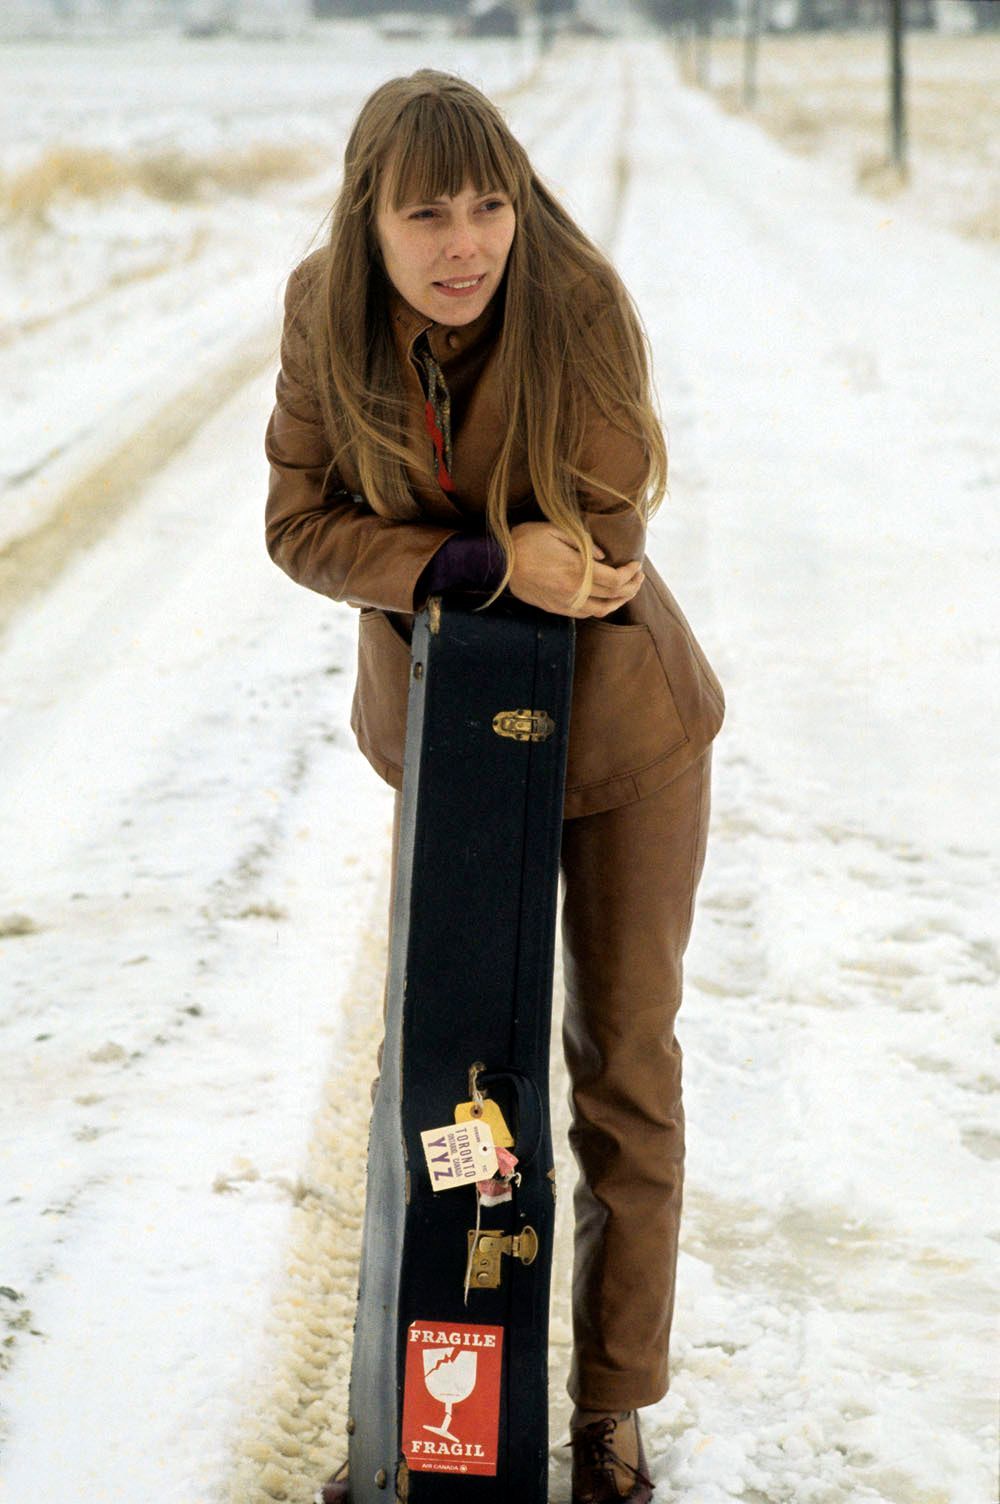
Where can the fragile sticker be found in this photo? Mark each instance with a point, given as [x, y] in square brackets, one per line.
[451, 1397]
[459, 1154]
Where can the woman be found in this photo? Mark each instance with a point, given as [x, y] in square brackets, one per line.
[464, 403]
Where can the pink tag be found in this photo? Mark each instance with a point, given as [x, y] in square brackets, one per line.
[497, 1190]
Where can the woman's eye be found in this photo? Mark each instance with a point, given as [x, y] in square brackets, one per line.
[422, 214]
[495, 203]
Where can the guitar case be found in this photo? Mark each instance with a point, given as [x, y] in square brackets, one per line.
[449, 1392]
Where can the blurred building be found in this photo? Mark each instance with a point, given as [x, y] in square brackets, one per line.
[64, 18]
[825, 15]
[246, 17]
[55, 18]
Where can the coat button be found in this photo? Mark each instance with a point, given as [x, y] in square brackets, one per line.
[452, 341]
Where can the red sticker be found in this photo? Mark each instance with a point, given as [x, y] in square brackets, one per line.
[451, 1398]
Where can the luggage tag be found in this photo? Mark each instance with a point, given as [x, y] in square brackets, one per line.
[459, 1154]
[485, 1110]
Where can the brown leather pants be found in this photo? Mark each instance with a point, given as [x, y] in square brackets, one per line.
[629, 879]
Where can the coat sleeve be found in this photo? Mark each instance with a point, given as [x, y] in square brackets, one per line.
[317, 532]
[616, 459]
[612, 458]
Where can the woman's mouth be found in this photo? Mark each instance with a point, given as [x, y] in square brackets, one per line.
[461, 287]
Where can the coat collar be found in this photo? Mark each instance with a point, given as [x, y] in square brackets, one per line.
[447, 342]
[474, 443]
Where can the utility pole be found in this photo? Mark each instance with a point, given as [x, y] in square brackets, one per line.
[683, 30]
[703, 36]
[751, 38]
[545, 10]
[898, 127]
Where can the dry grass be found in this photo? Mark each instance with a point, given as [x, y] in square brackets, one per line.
[982, 225]
[827, 96]
[17, 924]
[881, 178]
[66, 172]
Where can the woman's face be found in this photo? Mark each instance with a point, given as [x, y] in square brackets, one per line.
[447, 257]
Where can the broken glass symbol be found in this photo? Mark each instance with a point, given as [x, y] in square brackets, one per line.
[450, 1379]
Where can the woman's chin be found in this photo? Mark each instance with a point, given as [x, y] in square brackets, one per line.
[449, 309]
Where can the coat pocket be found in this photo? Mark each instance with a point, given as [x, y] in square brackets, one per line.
[624, 717]
[378, 715]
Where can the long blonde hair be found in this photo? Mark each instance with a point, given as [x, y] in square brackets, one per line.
[559, 354]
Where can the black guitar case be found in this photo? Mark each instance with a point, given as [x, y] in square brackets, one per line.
[448, 1397]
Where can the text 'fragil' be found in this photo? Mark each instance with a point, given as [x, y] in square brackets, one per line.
[447, 1448]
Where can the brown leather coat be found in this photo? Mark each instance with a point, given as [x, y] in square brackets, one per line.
[646, 702]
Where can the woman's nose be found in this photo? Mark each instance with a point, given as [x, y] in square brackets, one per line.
[461, 242]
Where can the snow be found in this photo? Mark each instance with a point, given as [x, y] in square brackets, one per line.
[196, 854]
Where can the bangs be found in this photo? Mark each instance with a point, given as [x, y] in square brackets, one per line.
[438, 147]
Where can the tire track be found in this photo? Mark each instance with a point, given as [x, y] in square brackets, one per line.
[89, 508]
[293, 1434]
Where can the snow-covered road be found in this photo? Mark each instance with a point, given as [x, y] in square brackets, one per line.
[195, 859]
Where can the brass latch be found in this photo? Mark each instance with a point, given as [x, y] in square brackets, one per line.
[524, 725]
[487, 1249]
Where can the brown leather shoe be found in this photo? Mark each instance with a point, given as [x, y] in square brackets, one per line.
[595, 1480]
[335, 1487]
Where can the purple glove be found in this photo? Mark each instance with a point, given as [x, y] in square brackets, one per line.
[467, 561]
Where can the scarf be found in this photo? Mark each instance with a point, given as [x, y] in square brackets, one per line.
[437, 412]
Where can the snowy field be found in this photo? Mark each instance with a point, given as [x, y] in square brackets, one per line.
[195, 855]
[826, 95]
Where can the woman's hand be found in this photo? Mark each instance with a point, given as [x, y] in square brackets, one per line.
[547, 573]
